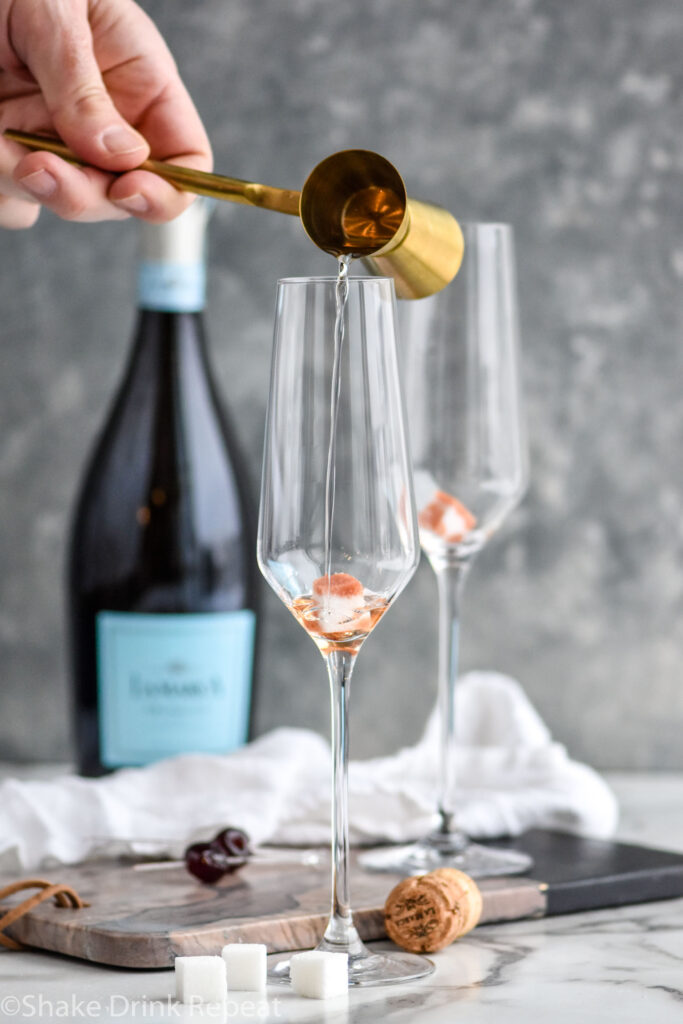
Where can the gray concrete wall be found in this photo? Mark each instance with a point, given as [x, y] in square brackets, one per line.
[564, 118]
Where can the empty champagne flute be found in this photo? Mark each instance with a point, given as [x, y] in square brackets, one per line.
[461, 369]
[338, 537]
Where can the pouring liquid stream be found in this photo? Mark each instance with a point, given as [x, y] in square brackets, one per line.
[341, 296]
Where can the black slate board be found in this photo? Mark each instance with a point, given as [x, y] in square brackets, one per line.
[586, 874]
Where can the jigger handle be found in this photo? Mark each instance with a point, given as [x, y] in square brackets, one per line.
[234, 190]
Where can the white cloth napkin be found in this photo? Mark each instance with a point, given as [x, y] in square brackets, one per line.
[511, 776]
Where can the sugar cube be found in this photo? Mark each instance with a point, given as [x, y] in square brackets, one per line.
[200, 979]
[318, 974]
[340, 604]
[245, 963]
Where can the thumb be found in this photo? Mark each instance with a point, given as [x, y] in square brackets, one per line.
[60, 55]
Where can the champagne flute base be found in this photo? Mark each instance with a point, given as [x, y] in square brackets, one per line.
[418, 858]
[365, 968]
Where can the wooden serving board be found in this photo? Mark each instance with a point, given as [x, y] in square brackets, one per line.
[144, 919]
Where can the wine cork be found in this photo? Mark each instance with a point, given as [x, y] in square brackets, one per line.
[426, 913]
[464, 889]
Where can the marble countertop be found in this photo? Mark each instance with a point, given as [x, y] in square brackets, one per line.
[622, 964]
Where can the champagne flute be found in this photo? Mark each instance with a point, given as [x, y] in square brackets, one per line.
[338, 537]
[468, 443]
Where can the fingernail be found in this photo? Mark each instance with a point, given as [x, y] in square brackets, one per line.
[118, 141]
[133, 204]
[40, 183]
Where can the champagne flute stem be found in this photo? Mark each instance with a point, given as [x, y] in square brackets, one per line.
[340, 934]
[450, 579]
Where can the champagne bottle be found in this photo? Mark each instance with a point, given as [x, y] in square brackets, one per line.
[162, 580]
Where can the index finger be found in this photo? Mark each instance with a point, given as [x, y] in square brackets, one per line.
[176, 135]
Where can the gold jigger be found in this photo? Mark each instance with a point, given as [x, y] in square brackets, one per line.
[355, 202]
[352, 203]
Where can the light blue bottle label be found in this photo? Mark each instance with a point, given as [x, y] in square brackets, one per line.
[173, 684]
[172, 287]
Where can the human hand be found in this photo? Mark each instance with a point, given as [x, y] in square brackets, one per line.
[98, 74]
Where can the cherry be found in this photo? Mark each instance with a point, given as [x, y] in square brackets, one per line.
[206, 861]
[210, 861]
[235, 842]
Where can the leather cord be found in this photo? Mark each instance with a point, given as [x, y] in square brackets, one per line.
[63, 895]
